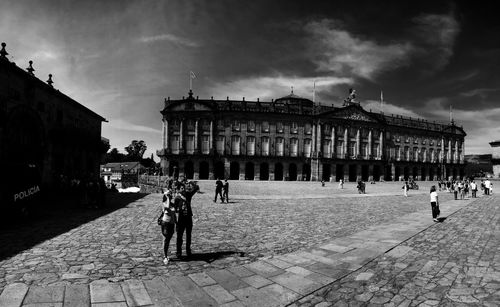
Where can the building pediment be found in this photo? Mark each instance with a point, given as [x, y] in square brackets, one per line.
[352, 113]
[190, 106]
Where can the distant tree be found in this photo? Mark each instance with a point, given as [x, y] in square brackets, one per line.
[114, 156]
[136, 150]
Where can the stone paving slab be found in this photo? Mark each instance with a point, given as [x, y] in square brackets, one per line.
[272, 281]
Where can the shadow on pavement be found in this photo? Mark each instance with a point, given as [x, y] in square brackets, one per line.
[210, 257]
[441, 219]
[49, 221]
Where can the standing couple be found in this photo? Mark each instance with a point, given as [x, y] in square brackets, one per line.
[177, 214]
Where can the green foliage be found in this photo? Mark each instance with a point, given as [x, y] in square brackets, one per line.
[136, 150]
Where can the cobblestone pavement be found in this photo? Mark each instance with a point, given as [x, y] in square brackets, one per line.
[127, 243]
[455, 263]
[250, 252]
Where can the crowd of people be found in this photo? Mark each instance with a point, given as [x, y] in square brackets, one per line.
[465, 188]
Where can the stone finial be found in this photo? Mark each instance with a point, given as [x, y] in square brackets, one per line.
[3, 52]
[190, 94]
[30, 69]
[50, 82]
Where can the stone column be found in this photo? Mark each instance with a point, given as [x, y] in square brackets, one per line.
[358, 143]
[313, 145]
[167, 139]
[449, 151]
[211, 138]
[462, 154]
[346, 141]
[370, 150]
[456, 158]
[196, 137]
[181, 137]
[441, 156]
[319, 140]
[332, 143]
[164, 130]
[381, 144]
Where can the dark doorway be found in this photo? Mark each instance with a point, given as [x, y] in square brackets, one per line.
[397, 173]
[204, 170]
[327, 172]
[431, 173]
[173, 169]
[292, 172]
[462, 173]
[249, 171]
[406, 173]
[439, 173]
[234, 171]
[414, 173]
[339, 172]
[423, 174]
[455, 173]
[353, 172]
[448, 173]
[306, 172]
[376, 173]
[188, 170]
[364, 172]
[388, 174]
[278, 171]
[219, 170]
[264, 171]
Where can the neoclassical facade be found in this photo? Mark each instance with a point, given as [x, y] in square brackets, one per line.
[291, 138]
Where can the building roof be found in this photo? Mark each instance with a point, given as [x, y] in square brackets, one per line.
[119, 166]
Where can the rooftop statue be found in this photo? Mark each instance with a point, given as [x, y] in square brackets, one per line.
[351, 98]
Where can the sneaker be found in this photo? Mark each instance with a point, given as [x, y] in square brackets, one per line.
[435, 220]
[166, 260]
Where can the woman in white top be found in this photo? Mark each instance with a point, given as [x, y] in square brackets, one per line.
[434, 204]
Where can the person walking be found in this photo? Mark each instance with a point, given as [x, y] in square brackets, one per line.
[218, 190]
[225, 191]
[167, 222]
[185, 220]
[341, 183]
[405, 189]
[434, 204]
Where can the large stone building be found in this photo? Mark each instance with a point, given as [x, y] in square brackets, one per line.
[43, 129]
[291, 138]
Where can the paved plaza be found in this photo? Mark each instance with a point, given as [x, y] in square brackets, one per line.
[274, 244]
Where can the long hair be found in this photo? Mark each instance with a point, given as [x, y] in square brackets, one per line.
[433, 189]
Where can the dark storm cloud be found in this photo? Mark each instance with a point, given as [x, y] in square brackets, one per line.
[121, 58]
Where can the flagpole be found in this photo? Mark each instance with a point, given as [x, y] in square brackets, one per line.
[382, 101]
[314, 92]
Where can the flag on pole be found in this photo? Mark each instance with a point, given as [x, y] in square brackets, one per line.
[191, 77]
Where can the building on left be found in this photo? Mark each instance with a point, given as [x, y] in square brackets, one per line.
[45, 136]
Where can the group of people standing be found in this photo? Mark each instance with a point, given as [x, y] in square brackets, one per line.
[177, 215]
[222, 190]
[463, 188]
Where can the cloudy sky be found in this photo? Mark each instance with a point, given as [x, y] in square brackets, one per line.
[122, 58]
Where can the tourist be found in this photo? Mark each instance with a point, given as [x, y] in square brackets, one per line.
[455, 189]
[225, 193]
[168, 220]
[434, 204]
[218, 190]
[341, 183]
[461, 189]
[185, 220]
[405, 189]
[487, 186]
[473, 188]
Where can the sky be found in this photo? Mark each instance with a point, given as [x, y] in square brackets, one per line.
[122, 58]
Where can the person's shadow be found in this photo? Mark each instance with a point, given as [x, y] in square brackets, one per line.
[441, 219]
[209, 257]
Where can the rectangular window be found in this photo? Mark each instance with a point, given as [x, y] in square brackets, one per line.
[415, 154]
[265, 126]
[364, 150]
[294, 128]
[174, 144]
[279, 127]
[352, 148]
[398, 153]
[294, 147]
[220, 145]
[340, 149]
[190, 125]
[235, 145]
[265, 146]
[220, 124]
[376, 149]
[251, 126]
[205, 145]
[279, 147]
[307, 147]
[407, 153]
[236, 125]
[326, 148]
[205, 125]
[250, 145]
[307, 128]
[190, 144]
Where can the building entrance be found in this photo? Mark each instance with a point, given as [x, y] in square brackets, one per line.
[306, 172]
[249, 171]
[204, 170]
[189, 170]
[339, 172]
[219, 170]
[327, 172]
[264, 171]
[376, 173]
[364, 172]
[278, 171]
[353, 172]
[292, 172]
[234, 171]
